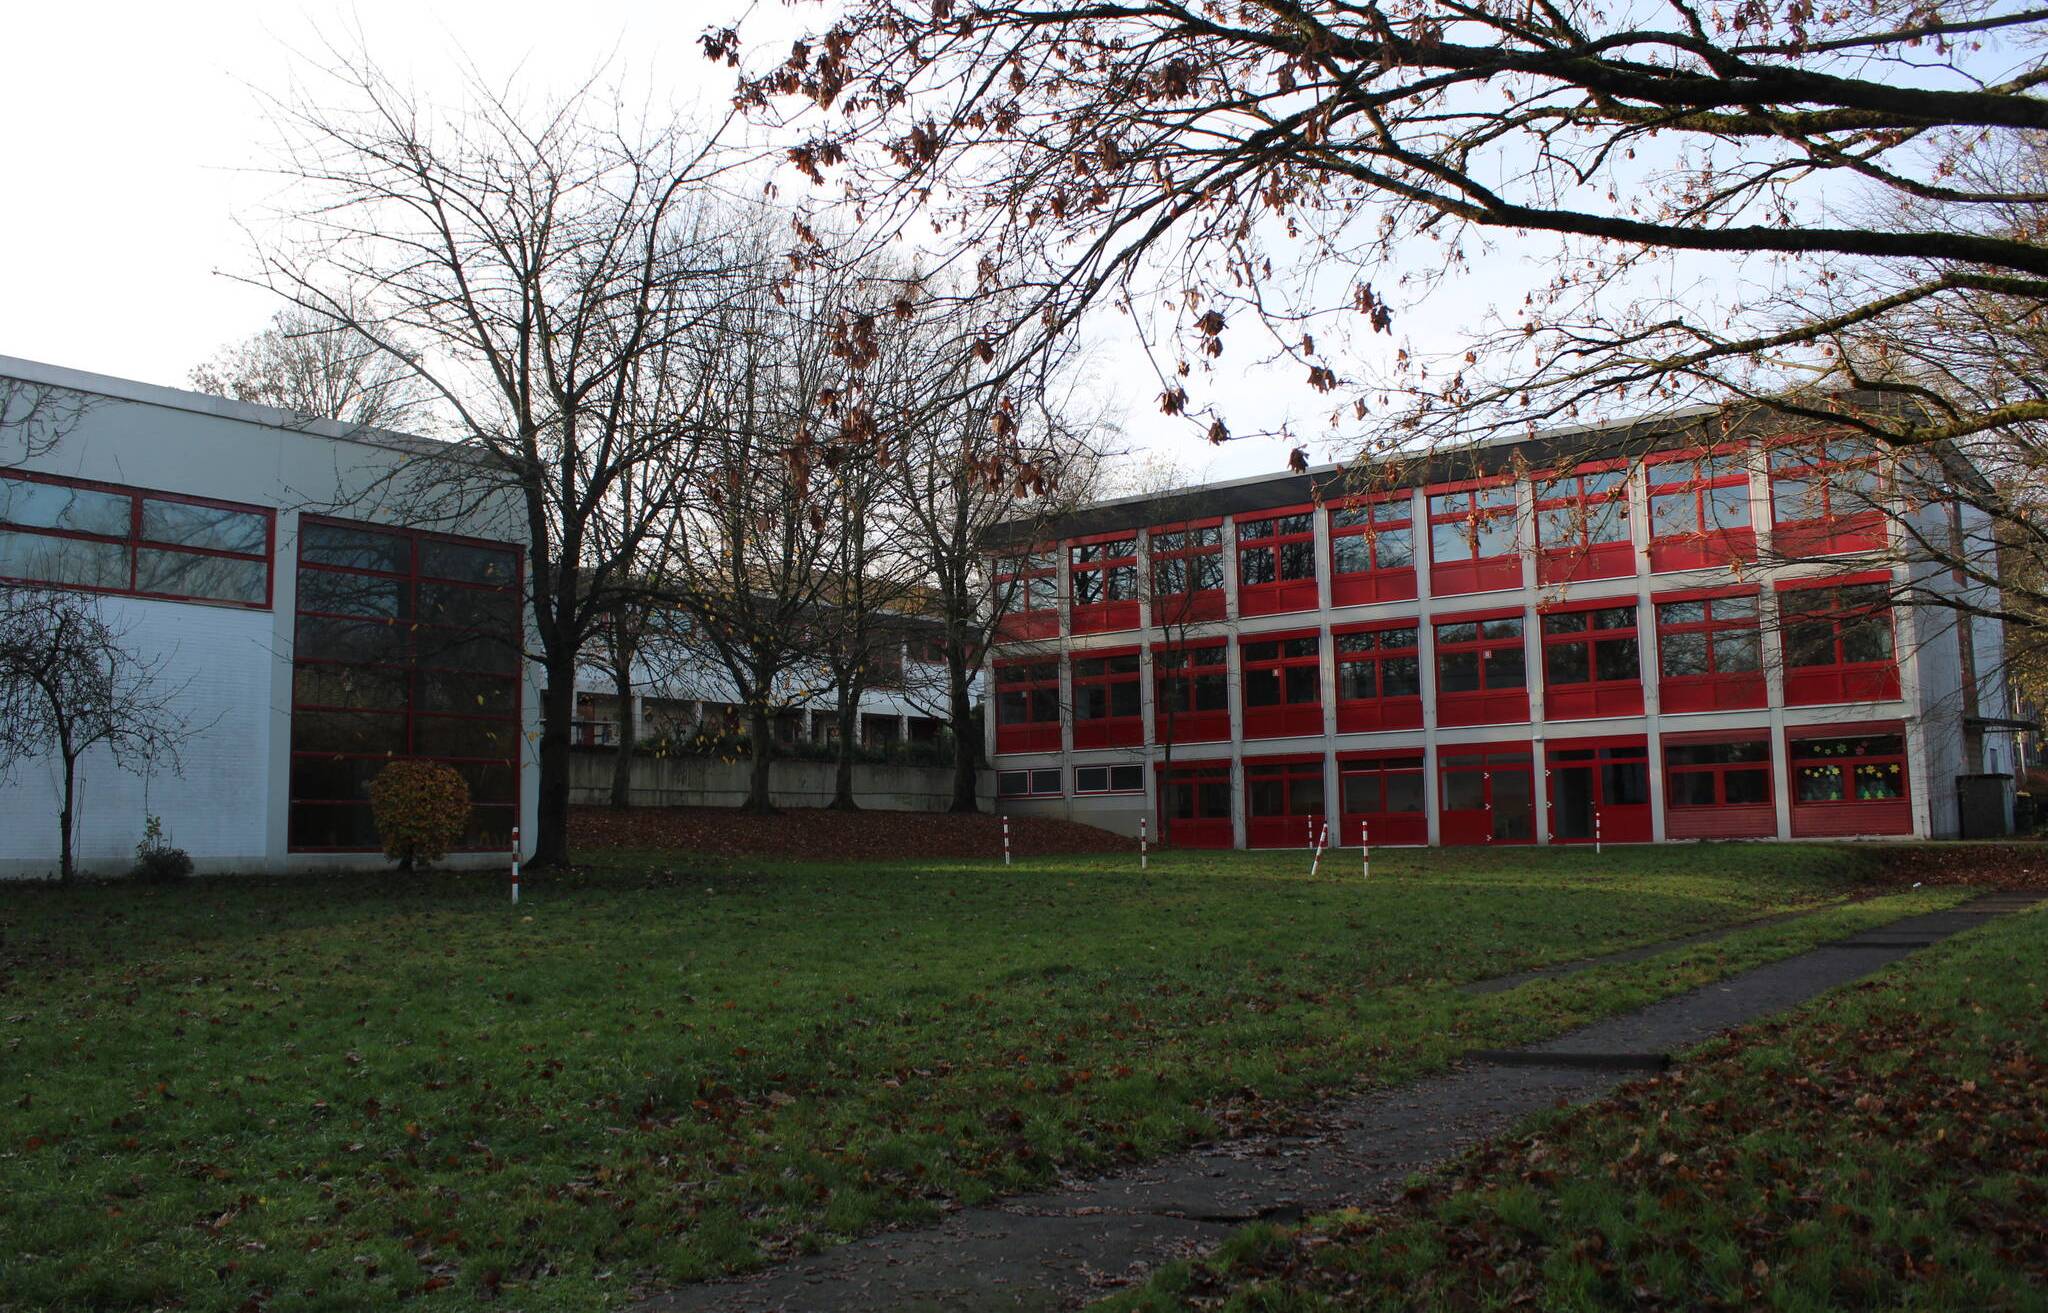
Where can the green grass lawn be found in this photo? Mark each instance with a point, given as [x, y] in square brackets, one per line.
[338, 1093]
[1884, 1147]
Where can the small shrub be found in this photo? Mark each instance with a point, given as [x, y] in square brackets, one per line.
[421, 809]
[156, 860]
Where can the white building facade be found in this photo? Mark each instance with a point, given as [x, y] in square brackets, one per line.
[1572, 639]
[315, 610]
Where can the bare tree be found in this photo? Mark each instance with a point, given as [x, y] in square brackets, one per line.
[536, 265]
[320, 369]
[68, 685]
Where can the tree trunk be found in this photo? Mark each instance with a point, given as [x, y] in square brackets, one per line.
[760, 801]
[622, 765]
[558, 710]
[849, 738]
[64, 867]
[965, 796]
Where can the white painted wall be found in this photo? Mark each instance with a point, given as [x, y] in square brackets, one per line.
[228, 809]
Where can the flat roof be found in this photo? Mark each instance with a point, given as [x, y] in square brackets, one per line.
[204, 403]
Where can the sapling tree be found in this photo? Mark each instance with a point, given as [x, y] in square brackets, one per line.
[69, 683]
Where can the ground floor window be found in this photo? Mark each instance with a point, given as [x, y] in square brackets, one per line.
[406, 645]
[1042, 783]
[1486, 794]
[1599, 791]
[1194, 805]
[1849, 782]
[1383, 799]
[1109, 779]
[1283, 802]
[1718, 789]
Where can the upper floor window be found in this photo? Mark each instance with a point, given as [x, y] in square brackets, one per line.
[1838, 643]
[1027, 706]
[1106, 701]
[1193, 688]
[1372, 550]
[1283, 685]
[1379, 679]
[1187, 574]
[122, 540]
[1582, 527]
[1826, 498]
[1028, 594]
[1590, 663]
[1699, 511]
[1481, 671]
[1104, 571]
[1472, 539]
[1710, 652]
[1276, 564]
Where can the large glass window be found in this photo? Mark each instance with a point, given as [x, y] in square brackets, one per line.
[1824, 481]
[1185, 564]
[407, 645]
[1372, 536]
[1475, 656]
[1860, 768]
[1837, 626]
[124, 540]
[1378, 663]
[1477, 524]
[1709, 636]
[1104, 572]
[1282, 671]
[1195, 678]
[1028, 693]
[1276, 550]
[1593, 646]
[1582, 511]
[1691, 497]
[1706, 775]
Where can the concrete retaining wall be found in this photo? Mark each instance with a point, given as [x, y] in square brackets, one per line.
[708, 782]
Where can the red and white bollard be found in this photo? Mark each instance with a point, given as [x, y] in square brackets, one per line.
[515, 866]
[1365, 850]
[1316, 862]
[1143, 844]
[1596, 832]
[1311, 845]
[1006, 841]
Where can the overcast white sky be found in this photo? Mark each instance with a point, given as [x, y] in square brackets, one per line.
[137, 140]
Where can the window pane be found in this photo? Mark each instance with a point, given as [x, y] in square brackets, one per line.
[1255, 652]
[1506, 667]
[1305, 795]
[1565, 663]
[1298, 560]
[1747, 787]
[469, 608]
[1810, 643]
[1673, 515]
[1304, 685]
[1042, 592]
[1262, 688]
[1361, 792]
[1569, 622]
[1879, 779]
[1266, 797]
[1794, 499]
[1091, 779]
[1350, 554]
[447, 736]
[1207, 572]
[1255, 566]
[1045, 781]
[1393, 509]
[350, 640]
[1397, 637]
[1450, 503]
[1868, 638]
[1087, 587]
[1169, 577]
[353, 687]
[1616, 659]
[1463, 631]
[1013, 706]
[63, 560]
[473, 695]
[1214, 798]
[1448, 542]
[1126, 779]
[1727, 508]
[1502, 494]
[1295, 648]
[1681, 613]
[1394, 549]
[1400, 677]
[1123, 698]
[476, 565]
[1693, 788]
[1457, 672]
[1625, 783]
[355, 594]
[1496, 535]
[57, 506]
[1735, 608]
[360, 733]
[1607, 521]
[1557, 526]
[1404, 791]
[1464, 790]
[1615, 617]
[1671, 473]
[1818, 783]
[356, 548]
[1212, 693]
[1682, 654]
[216, 578]
[1355, 682]
[1510, 627]
[1736, 652]
[1253, 530]
[204, 526]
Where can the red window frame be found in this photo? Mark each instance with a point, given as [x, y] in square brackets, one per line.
[1366, 656]
[1363, 811]
[1491, 702]
[1200, 541]
[1571, 508]
[428, 719]
[1818, 526]
[1111, 728]
[1033, 678]
[134, 542]
[1465, 512]
[1724, 813]
[1617, 818]
[1292, 671]
[1691, 517]
[1195, 723]
[1483, 824]
[1114, 558]
[1388, 574]
[1028, 588]
[1815, 602]
[1281, 547]
[1879, 747]
[1303, 811]
[1712, 689]
[1208, 824]
[1565, 698]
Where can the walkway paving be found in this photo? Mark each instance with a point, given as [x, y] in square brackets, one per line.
[1063, 1247]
